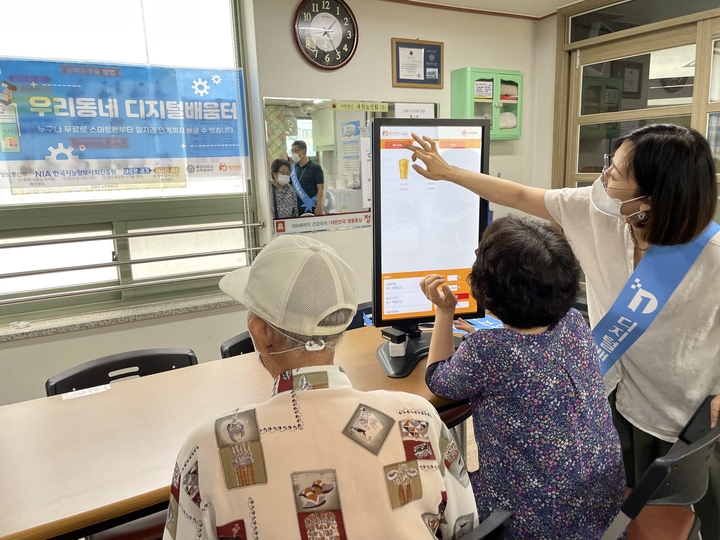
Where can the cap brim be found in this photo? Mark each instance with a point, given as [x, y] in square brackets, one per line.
[235, 283]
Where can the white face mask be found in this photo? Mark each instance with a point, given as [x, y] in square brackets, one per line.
[609, 205]
[295, 157]
[283, 179]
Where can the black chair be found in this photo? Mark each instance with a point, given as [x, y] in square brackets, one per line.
[149, 527]
[495, 527]
[112, 368]
[119, 366]
[235, 346]
[657, 508]
[358, 320]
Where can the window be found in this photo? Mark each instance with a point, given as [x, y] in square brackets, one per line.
[181, 251]
[662, 70]
[713, 133]
[144, 152]
[304, 132]
[29, 263]
[631, 14]
[659, 78]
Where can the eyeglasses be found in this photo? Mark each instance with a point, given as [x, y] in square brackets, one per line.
[607, 163]
[604, 175]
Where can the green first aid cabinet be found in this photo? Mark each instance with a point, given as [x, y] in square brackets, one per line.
[489, 93]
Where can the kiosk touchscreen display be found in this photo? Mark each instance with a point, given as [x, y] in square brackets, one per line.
[424, 226]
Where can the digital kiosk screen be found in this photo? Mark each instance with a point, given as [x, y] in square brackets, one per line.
[424, 226]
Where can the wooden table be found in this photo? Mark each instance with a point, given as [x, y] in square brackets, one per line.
[68, 464]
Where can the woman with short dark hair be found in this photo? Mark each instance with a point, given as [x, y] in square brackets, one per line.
[548, 451]
[525, 272]
[645, 239]
[673, 167]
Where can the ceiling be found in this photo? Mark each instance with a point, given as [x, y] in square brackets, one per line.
[528, 8]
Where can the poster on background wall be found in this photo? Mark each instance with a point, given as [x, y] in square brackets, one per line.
[366, 170]
[69, 127]
[350, 151]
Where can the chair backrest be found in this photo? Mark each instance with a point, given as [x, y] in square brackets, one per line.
[495, 527]
[237, 345]
[358, 321]
[678, 478]
[455, 413]
[119, 366]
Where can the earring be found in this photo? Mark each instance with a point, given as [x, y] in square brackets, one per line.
[641, 215]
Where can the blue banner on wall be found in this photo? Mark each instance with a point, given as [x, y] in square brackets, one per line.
[68, 126]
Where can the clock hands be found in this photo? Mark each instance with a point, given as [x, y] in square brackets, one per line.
[322, 29]
[333, 44]
[313, 28]
[326, 33]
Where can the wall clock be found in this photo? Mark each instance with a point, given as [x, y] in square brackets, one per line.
[326, 32]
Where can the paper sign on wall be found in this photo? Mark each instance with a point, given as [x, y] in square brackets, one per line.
[414, 110]
[366, 170]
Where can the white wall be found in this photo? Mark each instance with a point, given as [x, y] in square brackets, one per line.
[469, 40]
[26, 364]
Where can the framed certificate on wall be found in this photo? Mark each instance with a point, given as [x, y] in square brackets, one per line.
[417, 63]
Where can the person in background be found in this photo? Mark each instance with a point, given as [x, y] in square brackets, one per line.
[283, 199]
[656, 197]
[543, 427]
[307, 179]
[319, 459]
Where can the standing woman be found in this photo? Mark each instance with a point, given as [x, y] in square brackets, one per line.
[654, 202]
[283, 200]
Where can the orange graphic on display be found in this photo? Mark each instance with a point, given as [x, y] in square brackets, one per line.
[455, 278]
[398, 144]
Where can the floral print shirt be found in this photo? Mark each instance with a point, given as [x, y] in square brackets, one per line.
[283, 202]
[547, 447]
[322, 461]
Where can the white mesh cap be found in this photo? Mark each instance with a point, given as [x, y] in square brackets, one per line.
[294, 283]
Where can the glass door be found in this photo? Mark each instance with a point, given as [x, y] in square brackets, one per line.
[712, 45]
[616, 88]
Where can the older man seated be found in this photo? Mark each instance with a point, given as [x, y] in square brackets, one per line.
[319, 459]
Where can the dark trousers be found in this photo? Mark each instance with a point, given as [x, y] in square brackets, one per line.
[639, 449]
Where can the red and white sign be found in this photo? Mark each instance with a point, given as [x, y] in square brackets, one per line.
[350, 220]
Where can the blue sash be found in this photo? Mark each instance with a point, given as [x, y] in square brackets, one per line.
[650, 286]
[308, 203]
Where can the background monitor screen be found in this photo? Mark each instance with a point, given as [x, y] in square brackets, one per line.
[424, 226]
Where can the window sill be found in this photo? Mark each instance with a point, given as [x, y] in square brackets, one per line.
[62, 325]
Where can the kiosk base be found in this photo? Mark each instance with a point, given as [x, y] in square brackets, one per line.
[401, 366]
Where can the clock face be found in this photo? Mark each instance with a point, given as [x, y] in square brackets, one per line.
[326, 32]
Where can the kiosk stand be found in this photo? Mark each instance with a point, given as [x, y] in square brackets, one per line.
[406, 346]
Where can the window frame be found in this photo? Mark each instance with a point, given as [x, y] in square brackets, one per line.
[40, 219]
[114, 216]
[697, 28]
